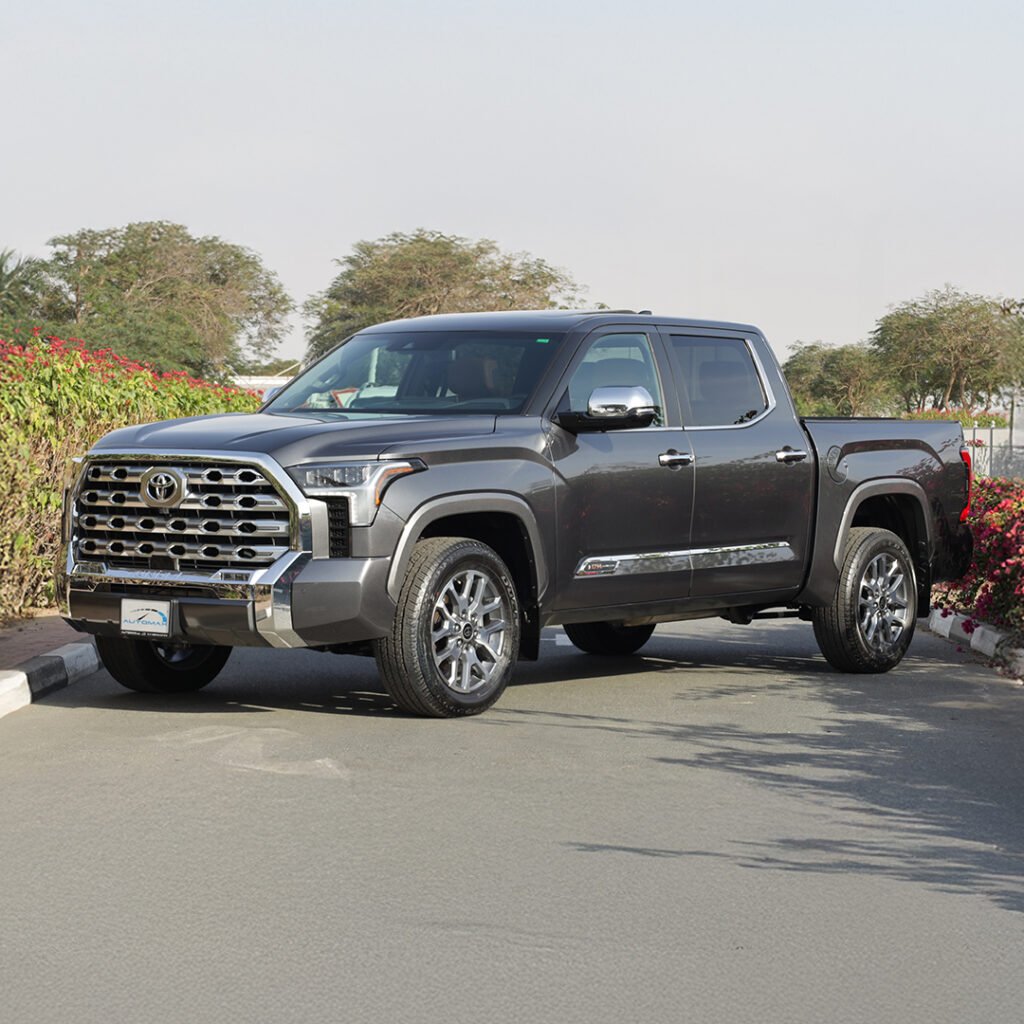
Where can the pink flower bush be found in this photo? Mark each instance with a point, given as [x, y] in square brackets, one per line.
[61, 377]
[993, 589]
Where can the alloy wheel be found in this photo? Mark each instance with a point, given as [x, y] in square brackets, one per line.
[468, 629]
[883, 606]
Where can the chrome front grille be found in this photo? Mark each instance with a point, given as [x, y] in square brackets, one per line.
[222, 516]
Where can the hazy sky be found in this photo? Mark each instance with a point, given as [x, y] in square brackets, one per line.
[797, 165]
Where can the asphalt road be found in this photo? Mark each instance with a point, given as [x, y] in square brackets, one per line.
[720, 830]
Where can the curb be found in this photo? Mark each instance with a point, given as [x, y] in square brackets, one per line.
[45, 674]
[986, 640]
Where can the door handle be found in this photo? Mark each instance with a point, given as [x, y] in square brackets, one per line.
[790, 455]
[674, 458]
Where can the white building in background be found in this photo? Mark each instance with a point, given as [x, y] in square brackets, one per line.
[261, 384]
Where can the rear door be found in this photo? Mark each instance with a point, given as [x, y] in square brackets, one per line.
[754, 469]
[624, 496]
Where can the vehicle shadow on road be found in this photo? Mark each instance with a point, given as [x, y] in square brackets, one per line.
[915, 776]
[332, 684]
[933, 779]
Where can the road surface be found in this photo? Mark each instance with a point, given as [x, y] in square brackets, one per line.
[722, 829]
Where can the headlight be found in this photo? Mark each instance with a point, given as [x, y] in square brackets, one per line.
[363, 483]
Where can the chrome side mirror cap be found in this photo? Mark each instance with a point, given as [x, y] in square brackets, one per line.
[612, 403]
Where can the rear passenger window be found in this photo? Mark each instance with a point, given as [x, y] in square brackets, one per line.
[720, 380]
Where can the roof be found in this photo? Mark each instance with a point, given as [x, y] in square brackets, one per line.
[544, 320]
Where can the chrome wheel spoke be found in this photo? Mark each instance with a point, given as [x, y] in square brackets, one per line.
[478, 586]
[871, 625]
[463, 592]
[452, 674]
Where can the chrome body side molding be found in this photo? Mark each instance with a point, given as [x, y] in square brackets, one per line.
[684, 561]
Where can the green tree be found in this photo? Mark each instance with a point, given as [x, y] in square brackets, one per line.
[950, 348]
[22, 283]
[837, 380]
[425, 272]
[153, 292]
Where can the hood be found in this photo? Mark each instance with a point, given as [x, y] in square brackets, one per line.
[292, 439]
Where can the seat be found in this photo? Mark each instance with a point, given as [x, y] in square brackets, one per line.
[471, 377]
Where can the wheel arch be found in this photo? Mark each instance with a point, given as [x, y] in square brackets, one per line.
[889, 503]
[899, 506]
[505, 523]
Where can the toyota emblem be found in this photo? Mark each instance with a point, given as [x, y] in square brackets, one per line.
[162, 488]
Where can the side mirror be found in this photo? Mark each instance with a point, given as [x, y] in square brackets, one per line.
[612, 408]
[616, 403]
[271, 392]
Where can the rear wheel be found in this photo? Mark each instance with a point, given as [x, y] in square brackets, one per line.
[154, 666]
[608, 637]
[455, 637]
[869, 625]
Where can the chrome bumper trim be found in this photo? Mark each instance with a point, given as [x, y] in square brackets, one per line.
[269, 590]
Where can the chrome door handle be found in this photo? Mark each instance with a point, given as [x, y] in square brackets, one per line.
[790, 455]
[674, 458]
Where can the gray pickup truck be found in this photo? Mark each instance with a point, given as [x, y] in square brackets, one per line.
[436, 491]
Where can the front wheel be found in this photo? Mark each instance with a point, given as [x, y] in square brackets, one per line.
[455, 636]
[154, 666]
[608, 637]
[869, 625]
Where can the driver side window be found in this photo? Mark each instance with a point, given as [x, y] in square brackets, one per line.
[616, 360]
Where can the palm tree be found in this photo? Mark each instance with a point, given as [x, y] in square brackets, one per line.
[19, 283]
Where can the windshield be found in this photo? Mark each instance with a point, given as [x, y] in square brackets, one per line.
[409, 373]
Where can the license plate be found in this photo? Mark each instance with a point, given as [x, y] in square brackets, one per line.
[149, 618]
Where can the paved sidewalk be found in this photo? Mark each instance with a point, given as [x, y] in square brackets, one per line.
[40, 655]
[30, 638]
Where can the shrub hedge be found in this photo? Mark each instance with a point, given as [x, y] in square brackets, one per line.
[993, 589]
[57, 397]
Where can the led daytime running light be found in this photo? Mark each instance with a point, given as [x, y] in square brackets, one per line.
[362, 483]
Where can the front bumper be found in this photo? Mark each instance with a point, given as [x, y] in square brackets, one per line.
[296, 602]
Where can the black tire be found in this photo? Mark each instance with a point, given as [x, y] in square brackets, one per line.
[869, 625]
[608, 637]
[150, 666]
[439, 659]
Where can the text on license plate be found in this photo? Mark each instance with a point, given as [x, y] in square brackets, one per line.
[152, 618]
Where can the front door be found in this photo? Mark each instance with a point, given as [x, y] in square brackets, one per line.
[624, 496]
